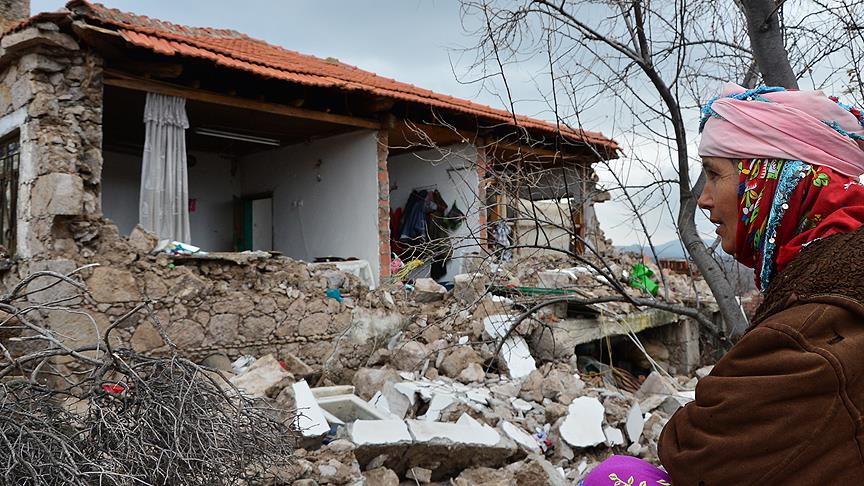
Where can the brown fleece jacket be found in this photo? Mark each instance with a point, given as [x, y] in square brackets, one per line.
[783, 406]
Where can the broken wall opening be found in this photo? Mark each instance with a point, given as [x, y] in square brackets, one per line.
[257, 180]
[452, 172]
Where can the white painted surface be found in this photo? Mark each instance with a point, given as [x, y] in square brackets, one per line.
[454, 173]
[423, 431]
[583, 426]
[439, 402]
[310, 419]
[635, 423]
[614, 436]
[325, 196]
[379, 432]
[210, 184]
[514, 352]
[262, 224]
[519, 436]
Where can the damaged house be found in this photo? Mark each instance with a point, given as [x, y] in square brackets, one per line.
[112, 122]
[227, 143]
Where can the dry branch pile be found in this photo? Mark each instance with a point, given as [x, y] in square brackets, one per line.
[97, 415]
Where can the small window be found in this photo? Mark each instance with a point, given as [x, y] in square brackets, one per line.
[9, 159]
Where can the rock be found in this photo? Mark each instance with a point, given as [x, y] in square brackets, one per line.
[656, 385]
[583, 426]
[224, 327]
[536, 470]
[419, 474]
[409, 356]
[146, 338]
[427, 290]
[57, 194]
[262, 377]
[468, 287]
[484, 476]
[368, 381]
[296, 366]
[561, 386]
[142, 240]
[472, 374]
[112, 285]
[554, 411]
[305, 482]
[381, 477]
[458, 359]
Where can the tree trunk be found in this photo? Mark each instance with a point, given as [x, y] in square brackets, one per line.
[766, 42]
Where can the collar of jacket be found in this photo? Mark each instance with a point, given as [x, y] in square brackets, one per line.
[830, 270]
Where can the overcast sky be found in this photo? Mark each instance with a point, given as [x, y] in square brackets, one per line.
[414, 41]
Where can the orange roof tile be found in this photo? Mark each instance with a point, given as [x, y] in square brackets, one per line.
[235, 50]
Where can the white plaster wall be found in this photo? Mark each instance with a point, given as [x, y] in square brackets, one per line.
[325, 196]
[453, 171]
[210, 182]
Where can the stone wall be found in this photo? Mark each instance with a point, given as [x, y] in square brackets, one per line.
[52, 93]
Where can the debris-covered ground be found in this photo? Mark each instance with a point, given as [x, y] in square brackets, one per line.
[410, 383]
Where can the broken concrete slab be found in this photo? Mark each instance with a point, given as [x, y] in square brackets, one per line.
[614, 436]
[635, 423]
[583, 426]
[348, 408]
[366, 433]
[452, 434]
[310, 419]
[515, 355]
[523, 439]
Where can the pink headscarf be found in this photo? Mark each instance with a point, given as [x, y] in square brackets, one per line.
[792, 125]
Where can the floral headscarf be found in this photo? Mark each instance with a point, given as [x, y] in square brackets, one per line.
[784, 205]
[801, 163]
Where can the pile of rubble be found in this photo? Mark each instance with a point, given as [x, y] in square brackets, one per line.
[430, 414]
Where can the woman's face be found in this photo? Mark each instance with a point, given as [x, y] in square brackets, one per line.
[720, 198]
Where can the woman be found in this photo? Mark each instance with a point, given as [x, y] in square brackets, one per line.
[784, 405]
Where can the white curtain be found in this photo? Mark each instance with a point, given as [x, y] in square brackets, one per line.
[164, 205]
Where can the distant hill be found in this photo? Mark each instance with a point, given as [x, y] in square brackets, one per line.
[671, 249]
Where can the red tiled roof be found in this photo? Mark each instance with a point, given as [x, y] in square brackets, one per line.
[235, 50]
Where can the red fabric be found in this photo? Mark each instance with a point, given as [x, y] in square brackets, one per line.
[822, 204]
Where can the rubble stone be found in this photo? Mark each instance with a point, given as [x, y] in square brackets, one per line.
[655, 385]
[260, 379]
[368, 381]
[428, 290]
[536, 470]
[110, 285]
[419, 474]
[458, 359]
[484, 476]
[472, 374]
[381, 477]
[409, 356]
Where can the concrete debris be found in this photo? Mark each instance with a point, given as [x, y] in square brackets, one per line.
[515, 355]
[310, 419]
[583, 426]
